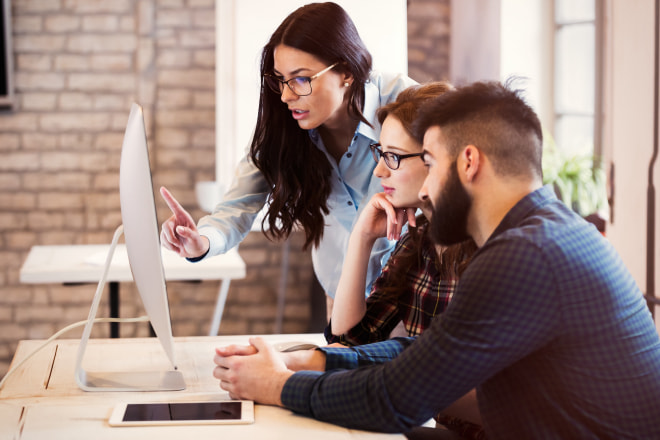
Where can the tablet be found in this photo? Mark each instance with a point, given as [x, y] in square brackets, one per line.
[183, 413]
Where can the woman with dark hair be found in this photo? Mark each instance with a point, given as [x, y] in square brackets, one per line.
[419, 278]
[309, 159]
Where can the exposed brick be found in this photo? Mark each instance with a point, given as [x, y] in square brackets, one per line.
[112, 62]
[13, 332]
[198, 38]
[33, 62]
[174, 98]
[196, 78]
[75, 121]
[72, 63]
[145, 54]
[10, 182]
[38, 220]
[9, 141]
[99, 43]
[109, 141]
[21, 240]
[127, 24]
[174, 18]
[117, 82]
[11, 221]
[38, 101]
[201, 4]
[59, 181]
[27, 23]
[17, 201]
[36, 6]
[18, 122]
[171, 4]
[41, 331]
[186, 118]
[39, 313]
[59, 237]
[146, 17]
[100, 23]
[173, 138]
[205, 99]
[98, 6]
[204, 58]
[19, 162]
[75, 141]
[60, 200]
[174, 58]
[62, 23]
[28, 81]
[24, 43]
[75, 101]
[203, 138]
[111, 102]
[204, 19]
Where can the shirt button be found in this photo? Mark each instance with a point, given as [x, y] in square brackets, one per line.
[350, 203]
[349, 155]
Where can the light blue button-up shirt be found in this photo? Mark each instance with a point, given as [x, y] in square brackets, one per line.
[353, 184]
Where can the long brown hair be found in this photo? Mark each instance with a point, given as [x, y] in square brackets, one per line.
[453, 259]
[297, 172]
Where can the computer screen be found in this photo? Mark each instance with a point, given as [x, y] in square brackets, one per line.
[140, 229]
[138, 213]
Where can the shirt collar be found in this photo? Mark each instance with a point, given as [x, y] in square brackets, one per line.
[371, 104]
[521, 210]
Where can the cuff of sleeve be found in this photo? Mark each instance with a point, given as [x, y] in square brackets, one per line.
[297, 391]
[196, 259]
[217, 241]
[339, 358]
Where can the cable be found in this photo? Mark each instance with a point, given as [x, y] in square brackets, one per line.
[65, 330]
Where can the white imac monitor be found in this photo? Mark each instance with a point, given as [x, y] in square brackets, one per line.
[140, 228]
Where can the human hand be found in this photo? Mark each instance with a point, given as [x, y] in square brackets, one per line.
[297, 360]
[380, 218]
[179, 232]
[255, 372]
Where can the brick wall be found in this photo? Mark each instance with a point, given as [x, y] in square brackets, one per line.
[79, 64]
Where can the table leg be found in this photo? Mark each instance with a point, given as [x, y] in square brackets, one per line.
[219, 307]
[114, 308]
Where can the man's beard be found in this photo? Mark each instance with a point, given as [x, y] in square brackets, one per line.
[449, 219]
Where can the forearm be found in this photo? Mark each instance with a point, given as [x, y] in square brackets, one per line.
[349, 306]
[311, 360]
[232, 218]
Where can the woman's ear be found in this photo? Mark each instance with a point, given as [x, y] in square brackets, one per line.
[347, 76]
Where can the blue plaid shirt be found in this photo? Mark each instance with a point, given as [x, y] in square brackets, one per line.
[546, 323]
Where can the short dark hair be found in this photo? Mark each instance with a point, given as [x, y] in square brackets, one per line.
[491, 116]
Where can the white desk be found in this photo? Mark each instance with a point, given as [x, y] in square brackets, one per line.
[84, 264]
[41, 400]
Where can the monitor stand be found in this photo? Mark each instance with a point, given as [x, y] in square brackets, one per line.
[119, 381]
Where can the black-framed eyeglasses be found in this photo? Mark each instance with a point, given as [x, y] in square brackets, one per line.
[392, 160]
[300, 85]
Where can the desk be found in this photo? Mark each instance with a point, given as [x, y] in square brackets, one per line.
[84, 264]
[41, 400]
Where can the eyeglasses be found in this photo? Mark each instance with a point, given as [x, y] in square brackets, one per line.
[300, 85]
[392, 160]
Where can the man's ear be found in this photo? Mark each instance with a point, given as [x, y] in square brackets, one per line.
[471, 161]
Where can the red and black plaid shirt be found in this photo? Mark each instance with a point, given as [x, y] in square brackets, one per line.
[425, 296]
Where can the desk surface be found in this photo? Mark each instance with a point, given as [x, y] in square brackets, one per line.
[84, 264]
[41, 400]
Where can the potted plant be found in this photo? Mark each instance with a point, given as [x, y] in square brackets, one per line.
[578, 179]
